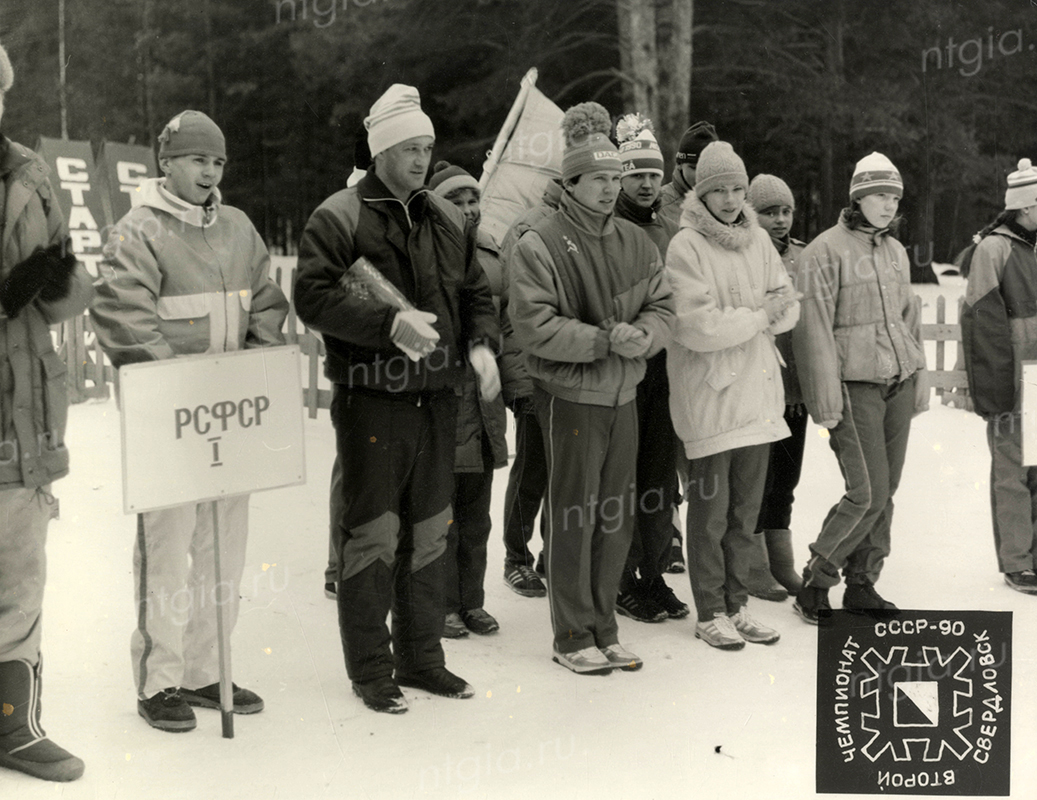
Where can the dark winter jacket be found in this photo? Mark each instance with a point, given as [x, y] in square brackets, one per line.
[423, 248]
[515, 379]
[33, 394]
[999, 320]
[180, 281]
[575, 275]
[671, 199]
[659, 229]
[478, 418]
[789, 249]
[859, 319]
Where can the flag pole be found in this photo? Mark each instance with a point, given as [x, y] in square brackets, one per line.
[493, 157]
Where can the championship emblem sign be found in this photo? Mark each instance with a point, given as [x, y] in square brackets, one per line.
[914, 702]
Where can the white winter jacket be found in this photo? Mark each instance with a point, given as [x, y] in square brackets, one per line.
[725, 386]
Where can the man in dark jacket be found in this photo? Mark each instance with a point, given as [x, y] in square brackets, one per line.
[686, 160]
[394, 365]
[41, 283]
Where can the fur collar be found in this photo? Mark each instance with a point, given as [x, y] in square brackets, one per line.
[737, 236]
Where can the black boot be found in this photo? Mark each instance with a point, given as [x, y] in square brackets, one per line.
[23, 744]
[760, 582]
[783, 564]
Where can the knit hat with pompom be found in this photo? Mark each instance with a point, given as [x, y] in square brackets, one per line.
[638, 147]
[447, 178]
[1022, 187]
[587, 145]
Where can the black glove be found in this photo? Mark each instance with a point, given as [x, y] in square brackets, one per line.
[57, 279]
[47, 273]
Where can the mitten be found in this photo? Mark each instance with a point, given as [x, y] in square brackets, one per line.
[23, 283]
[60, 265]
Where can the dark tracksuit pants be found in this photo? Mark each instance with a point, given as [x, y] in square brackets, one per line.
[397, 456]
[783, 471]
[527, 482]
[468, 535]
[1013, 495]
[591, 452]
[656, 477]
[723, 497]
[870, 443]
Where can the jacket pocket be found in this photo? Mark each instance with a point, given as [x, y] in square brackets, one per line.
[55, 401]
[724, 366]
[184, 322]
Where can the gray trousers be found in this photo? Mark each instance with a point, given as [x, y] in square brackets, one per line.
[723, 495]
[1013, 496]
[24, 514]
[590, 506]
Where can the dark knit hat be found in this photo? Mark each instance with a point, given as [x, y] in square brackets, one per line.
[447, 178]
[694, 141]
[191, 133]
[719, 164]
[767, 191]
[6, 71]
[587, 145]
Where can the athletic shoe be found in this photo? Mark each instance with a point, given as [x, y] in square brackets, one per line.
[245, 701]
[719, 632]
[168, 711]
[751, 630]
[637, 605]
[676, 565]
[454, 627]
[810, 602]
[438, 680]
[621, 658]
[381, 694]
[589, 661]
[1025, 581]
[863, 597]
[478, 621]
[662, 595]
[524, 581]
[330, 591]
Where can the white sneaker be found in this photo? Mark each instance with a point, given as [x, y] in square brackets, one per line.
[589, 661]
[622, 658]
[753, 631]
[720, 632]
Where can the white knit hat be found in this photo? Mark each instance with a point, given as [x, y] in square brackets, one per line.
[6, 71]
[873, 174]
[395, 117]
[1022, 187]
[638, 147]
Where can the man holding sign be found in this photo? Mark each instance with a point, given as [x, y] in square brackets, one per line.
[394, 364]
[186, 275]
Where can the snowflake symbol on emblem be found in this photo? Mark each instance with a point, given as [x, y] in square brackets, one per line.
[911, 696]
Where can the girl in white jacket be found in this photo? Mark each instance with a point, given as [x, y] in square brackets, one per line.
[732, 296]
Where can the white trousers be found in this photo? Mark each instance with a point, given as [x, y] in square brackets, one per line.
[24, 514]
[175, 642]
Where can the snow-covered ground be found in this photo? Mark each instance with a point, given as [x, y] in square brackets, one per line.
[533, 729]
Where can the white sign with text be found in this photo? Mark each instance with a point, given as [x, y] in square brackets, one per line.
[204, 427]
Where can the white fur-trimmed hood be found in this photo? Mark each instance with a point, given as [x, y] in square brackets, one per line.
[737, 236]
